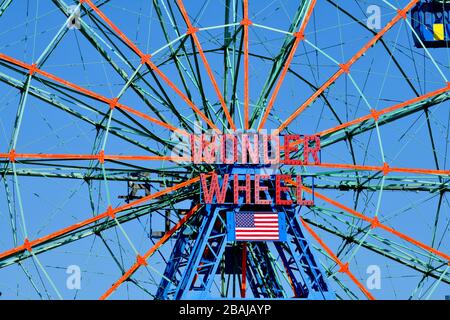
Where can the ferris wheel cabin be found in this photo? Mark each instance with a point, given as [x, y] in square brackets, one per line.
[431, 23]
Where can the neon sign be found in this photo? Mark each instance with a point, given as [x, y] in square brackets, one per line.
[253, 150]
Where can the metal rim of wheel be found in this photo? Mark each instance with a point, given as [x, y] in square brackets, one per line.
[92, 109]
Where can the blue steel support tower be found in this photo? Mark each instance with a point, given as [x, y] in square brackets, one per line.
[199, 257]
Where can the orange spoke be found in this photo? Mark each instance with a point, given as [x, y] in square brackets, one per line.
[246, 22]
[183, 96]
[386, 169]
[192, 31]
[345, 68]
[113, 103]
[133, 170]
[145, 59]
[110, 212]
[141, 260]
[101, 157]
[375, 115]
[343, 267]
[299, 36]
[375, 223]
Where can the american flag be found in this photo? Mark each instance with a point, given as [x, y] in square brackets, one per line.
[257, 226]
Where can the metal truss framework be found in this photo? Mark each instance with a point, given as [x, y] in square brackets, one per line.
[201, 256]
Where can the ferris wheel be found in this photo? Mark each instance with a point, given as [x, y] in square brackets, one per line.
[102, 99]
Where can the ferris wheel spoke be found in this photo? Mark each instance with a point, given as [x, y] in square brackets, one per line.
[180, 67]
[345, 67]
[347, 137]
[71, 170]
[385, 169]
[192, 74]
[97, 42]
[71, 174]
[382, 41]
[4, 6]
[55, 100]
[362, 234]
[343, 267]
[383, 115]
[372, 182]
[101, 157]
[146, 59]
[137, 129]
[142, 260]
[375, 223]
[99, 226]
[113, 103]
[278, 62]
[192, 31]
[197, 111]
[110, 213]
[299, 36]
[12, 156]
[246, 23]
[168, 81]
[414, 263]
